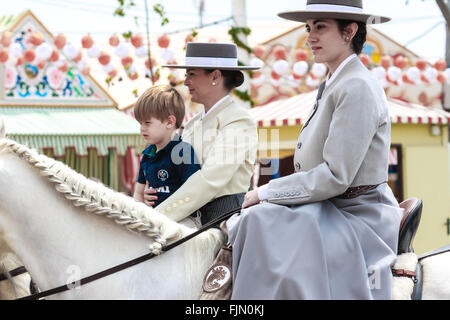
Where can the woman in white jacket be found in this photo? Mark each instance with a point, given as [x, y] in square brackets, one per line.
[329, 230]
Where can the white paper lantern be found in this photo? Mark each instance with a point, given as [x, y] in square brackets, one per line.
[167, 55]
[142, 51]
[294, 83]
[15, 50]
[276, 83]
[82, 63]
[43, 51]
[256, 62]
[394, 73]
[413, 74]
[70, 51]
[281, 67]
[431, 74]
[379, 73]
[131, 69]
[108, 68]
[313, 83]
[258, 82]
[94, 51]
[122, 50]
[447, 75]
[319, 70]
[300, 68]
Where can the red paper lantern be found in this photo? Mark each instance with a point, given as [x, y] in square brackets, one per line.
[55, 56]
[405, 79]
[400, 62]
[41, 64]
[104, 58]
[440, 65]
[112, 73]
[87, 42]
[114, 40]
[441, 77]
[153, 63]
[19, 61]
[279, 52]
[421, 64]
[275, 75]
[29, 55]
[164, 41]
[4, 55]
[386, 61]
[127, 61]
[301, 55]
[86, 70]
[259, 51]
[36, 38]
[365, 59]
[423, 98]
[6, 39]
[136, 40]
[60, 41]
[78, 57]
[64, 68]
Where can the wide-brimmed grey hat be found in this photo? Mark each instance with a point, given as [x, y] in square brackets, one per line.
[222, 56]
[334, 9]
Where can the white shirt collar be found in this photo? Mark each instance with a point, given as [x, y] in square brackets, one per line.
[339, 69]
[215, 105]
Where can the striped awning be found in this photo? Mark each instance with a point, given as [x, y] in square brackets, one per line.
[80, 128]
[295, 110]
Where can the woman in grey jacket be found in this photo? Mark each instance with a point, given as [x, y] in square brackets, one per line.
[329, 230]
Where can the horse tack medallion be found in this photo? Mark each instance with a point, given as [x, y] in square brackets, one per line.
[217, 277]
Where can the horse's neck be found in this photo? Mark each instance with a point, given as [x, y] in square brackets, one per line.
[59, 242]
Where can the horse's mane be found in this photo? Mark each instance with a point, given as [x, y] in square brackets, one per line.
[97, 198]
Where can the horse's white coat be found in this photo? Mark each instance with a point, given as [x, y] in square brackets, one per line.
[402, 287]
[60, 243]
[436, 277]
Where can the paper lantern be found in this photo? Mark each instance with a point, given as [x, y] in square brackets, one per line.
[256, 74]
[275, 75]
[29, 55]
[153, 63]
[276, 83]
[400, 62]
[431, 74]
[256, 62]
[365, 59]
[15, 50]
[64, 67]
[78, 57]
[440, 65]
[94, 51]
[108, 67]
[122, 50]
[386, 62]
[413, 74]
[60, 41]
[54, 56]
[137, 40]
[421, 64]
[281, 67]
[312, 83]
[86, 70]
[300, 68]
[19, 61]
[6, 39]
[319, 70]
[54, 77]
[36, 38]
[164, 41]
[441, 77]
[87, 42]
[167, 55]
[41, 64]
[259, 51]
[258, 81]
[279, 52]
[394, 73]
[70, 51]
[301, 55]
[127, 61]
[379, 73]
[104, 58]
[112, 73]
[423, 98]
[294, 83]
[43, 51]
[4, 56]
[142, 51]
[114, 40]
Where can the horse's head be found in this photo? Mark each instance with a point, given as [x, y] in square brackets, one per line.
[2, 128]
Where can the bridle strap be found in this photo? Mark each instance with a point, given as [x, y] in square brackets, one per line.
[16, 272]
[130, 263]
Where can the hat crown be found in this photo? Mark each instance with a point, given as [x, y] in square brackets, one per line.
[345, 3]
[211, 50]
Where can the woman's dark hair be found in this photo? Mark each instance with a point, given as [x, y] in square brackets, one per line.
[233, 78]
[360, 37]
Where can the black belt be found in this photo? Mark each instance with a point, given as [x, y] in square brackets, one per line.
[219, 206]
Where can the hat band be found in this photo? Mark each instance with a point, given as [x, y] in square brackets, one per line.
[333, 8]
[211, 62]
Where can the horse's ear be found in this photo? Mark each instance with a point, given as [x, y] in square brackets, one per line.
[2, 128]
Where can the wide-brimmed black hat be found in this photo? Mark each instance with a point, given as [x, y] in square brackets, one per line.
[334, 9]
[221, 56]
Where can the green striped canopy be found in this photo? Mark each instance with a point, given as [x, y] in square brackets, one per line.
[79, 128]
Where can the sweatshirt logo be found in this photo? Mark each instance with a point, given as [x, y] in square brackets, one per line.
[163, 175]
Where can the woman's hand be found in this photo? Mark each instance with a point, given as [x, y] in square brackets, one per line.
[149, 197]
[251, 198]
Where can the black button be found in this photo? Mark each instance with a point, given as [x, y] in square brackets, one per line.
[298, 166]
[299, 145]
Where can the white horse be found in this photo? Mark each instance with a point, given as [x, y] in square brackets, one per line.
[64, 236]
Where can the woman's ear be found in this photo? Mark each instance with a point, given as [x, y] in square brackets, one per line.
[216, 76]
[351, 30]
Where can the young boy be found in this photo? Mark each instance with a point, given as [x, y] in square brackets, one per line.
[167, 162]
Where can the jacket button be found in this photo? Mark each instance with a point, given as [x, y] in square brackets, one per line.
[299, 145]
[298, 166]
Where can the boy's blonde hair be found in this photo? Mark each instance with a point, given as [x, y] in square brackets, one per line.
[160, 102]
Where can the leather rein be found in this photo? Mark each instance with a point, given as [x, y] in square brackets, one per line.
[119, 267]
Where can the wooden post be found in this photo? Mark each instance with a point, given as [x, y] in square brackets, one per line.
[444, 6]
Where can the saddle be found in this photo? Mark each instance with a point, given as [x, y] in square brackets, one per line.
[409, 224]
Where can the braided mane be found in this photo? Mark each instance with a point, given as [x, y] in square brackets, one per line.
[97, 198]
